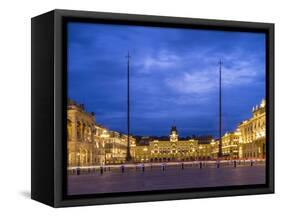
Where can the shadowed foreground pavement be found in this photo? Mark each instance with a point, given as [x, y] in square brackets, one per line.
[157, 179]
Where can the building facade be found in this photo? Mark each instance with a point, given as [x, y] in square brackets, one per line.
[116, 148]
[252, 139]
[81, 148]
[173, 149]
[248, 141]
[89, 143]
[230, 142]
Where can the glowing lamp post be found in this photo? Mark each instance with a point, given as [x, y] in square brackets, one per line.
[128, 154]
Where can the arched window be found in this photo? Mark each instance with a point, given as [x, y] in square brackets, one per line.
[79, 130]
[83, 126]
[69, 129]
[87, 133]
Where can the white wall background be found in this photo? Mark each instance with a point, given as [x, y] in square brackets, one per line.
[15, 106]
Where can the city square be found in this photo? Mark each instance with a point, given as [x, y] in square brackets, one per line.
[153, 177]
[98, 162]
[163, 117]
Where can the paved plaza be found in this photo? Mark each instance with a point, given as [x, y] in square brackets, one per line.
[155, 178]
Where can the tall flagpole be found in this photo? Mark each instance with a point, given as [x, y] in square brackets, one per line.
[220, 111]
[128, 155]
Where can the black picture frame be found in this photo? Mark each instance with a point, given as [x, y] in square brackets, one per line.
[49, 103]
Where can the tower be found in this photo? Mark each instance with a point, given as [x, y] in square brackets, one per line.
[174, 136]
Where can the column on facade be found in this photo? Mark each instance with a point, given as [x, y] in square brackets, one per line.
[72, 154]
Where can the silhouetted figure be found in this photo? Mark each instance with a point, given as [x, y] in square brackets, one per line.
[78, 171]
[101, 170]
[235, 163]
[122, 168]
[218, 164]
[252, 163]
[142, 166]
[182, 165]
[163, 166]
[200, 165]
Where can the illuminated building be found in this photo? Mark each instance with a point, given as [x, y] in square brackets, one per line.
[230, 142]
[173, 149]
[204, 150]
[249, 139]
[214, 147]
[81, 130]
[100, 139]
[89, 143]
[252, 141]
[116, 148]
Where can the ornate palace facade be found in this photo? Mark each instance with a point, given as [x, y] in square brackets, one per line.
[92, 144]
[174, 149]
[248, 141]
[85, 143]
[252, 139]
[89, 143]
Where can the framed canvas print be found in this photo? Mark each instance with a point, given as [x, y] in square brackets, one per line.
[131, 108]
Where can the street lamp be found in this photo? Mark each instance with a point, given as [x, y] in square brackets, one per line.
[128, 154]
[220, 112]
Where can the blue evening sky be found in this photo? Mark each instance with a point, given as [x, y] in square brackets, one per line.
[174, 76]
